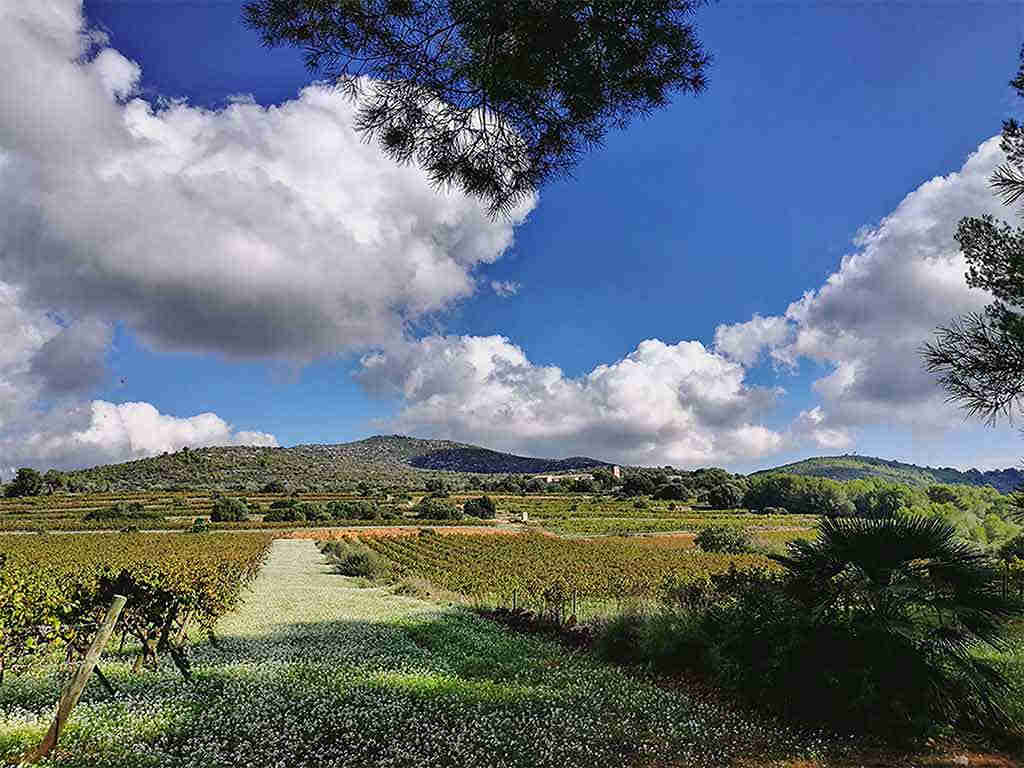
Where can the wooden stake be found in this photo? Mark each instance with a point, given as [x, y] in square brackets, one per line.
[73, 692]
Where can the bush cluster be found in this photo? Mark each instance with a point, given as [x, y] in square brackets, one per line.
[723, 538]
[122, 511]
[353, 558]
[437, 509]
[228, 509]
[878, 625]
[483, 508]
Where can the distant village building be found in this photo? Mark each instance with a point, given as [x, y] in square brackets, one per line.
[559, 478]
[617, 472]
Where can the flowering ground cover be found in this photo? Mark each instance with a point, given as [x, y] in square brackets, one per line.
[313, 670]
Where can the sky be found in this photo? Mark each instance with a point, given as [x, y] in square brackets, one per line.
[196, 248]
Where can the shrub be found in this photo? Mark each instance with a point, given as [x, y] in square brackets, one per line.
[353, 510]
[723, 538]
[671, 492]
[122, 511]
[283, 504]
[227, 509]
[483, 508]
[309, 511]
[724, 496]
[774, 511]
[437, 509]
[619, 639]
[289, 514]
[355, 559]
[274, 486]
[638, 485]
[640, 504]
[27, 482]
[879, 624]
[200, 525]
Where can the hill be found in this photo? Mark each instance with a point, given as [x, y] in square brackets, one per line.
[379, 460]
[852, 467]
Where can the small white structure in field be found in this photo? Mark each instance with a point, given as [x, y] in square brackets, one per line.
[617, 472]
[524, 516]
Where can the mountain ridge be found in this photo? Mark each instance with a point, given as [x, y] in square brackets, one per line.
[378, 459]
[854, 466]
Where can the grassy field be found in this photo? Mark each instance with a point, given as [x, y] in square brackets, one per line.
[313, 670]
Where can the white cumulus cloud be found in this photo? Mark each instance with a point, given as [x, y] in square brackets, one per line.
[869, 319]
[246, 232]
[662, 403]
[101, 432]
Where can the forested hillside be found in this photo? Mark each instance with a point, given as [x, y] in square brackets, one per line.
[852, 467]
[377, 460]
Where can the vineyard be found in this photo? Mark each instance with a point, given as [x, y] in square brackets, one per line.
[54, 590]
[554, 575]
[568, 514]
[159, 510]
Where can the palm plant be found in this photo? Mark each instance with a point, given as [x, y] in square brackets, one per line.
[907, 606]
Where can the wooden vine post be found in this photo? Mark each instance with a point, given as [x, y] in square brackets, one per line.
[73, 691]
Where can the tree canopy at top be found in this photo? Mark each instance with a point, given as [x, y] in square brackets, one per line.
[493, 96]
[979, 357]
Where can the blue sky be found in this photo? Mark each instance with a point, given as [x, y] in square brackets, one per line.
[817, 124]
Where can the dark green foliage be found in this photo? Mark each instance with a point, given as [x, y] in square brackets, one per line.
[274, 486]
[228, 509]
[619, 640]
[122, 511]
[1014, 548]
[493, 97]
[640, 504]
[672, 492]
[353, 510]
[200, 525]
[483, 508]
[878, 625]
[535, 485]
[637, 484]
[310, 511]
[724, 496]
[799, 495]
[54, 481]
[26, 482]
[437, 509]
[879, 620]
[723, 538]
[942, 494]
[283, 503]
[583, 485]
[670, 641]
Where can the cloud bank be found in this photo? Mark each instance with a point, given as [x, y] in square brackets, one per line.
[689, 405]
[677, 403]
[869, 319]
[245, 232]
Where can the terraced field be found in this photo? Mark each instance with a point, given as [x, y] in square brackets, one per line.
[568, 514]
